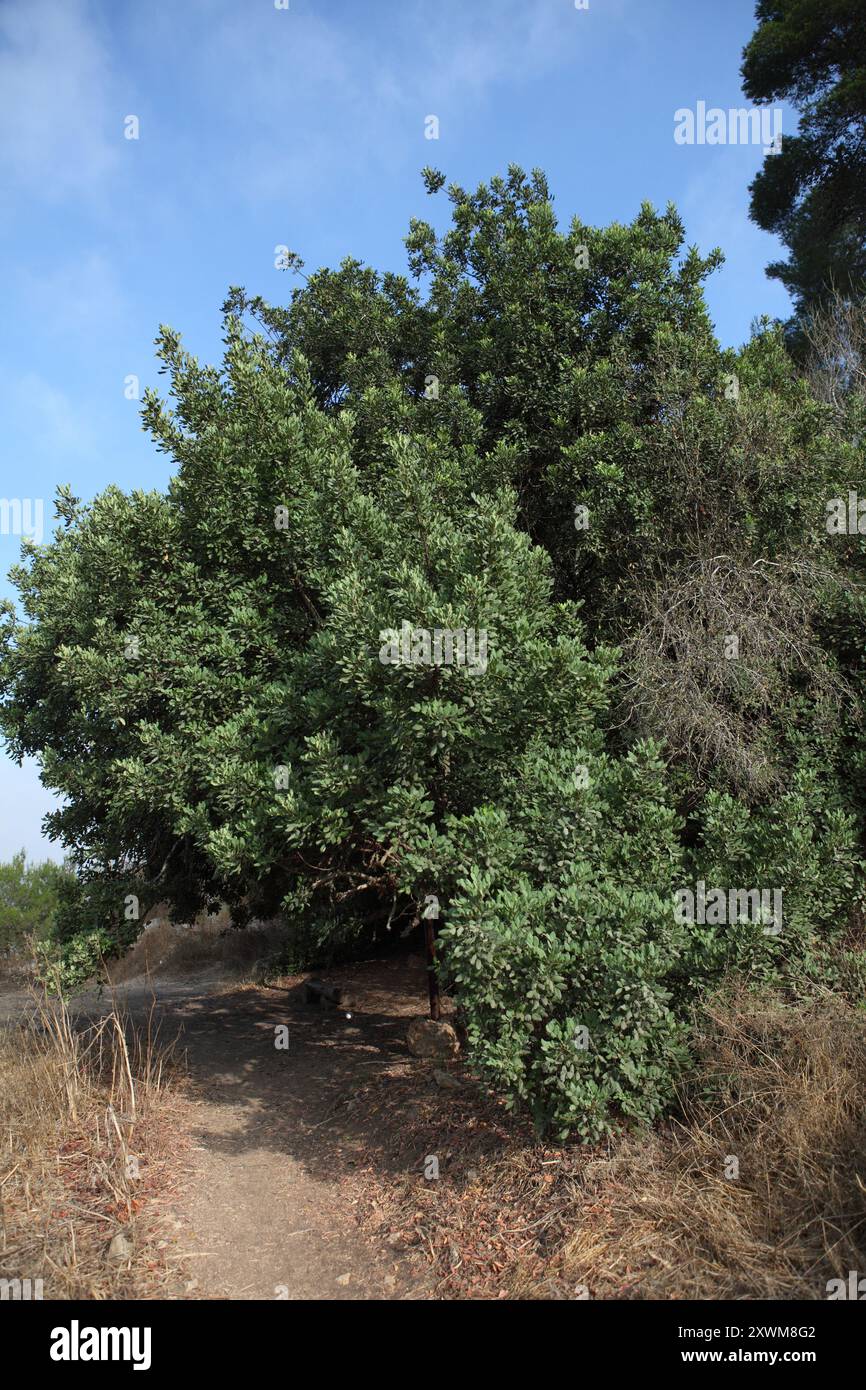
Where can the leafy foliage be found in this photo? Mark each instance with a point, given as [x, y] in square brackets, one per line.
[29, 900]
[214, 680]
[813, 194]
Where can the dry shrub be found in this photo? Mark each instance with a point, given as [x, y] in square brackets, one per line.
[713, 707]
[836, 365]
[165, 948]
[88, 1138]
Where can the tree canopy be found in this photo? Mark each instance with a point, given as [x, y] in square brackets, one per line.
[812, 53]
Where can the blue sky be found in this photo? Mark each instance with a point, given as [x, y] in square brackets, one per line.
[305, 126]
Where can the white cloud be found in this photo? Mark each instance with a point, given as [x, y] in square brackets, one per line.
[59, 130]
[465, 52]
[47, 417]
[308, 95]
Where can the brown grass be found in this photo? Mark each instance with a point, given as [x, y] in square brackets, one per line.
[88, 1141]
[168, 949]
[781, 1089]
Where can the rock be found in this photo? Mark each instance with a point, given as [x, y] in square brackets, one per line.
[427, 1038]
[120, 1248]
[343, 1279]
[447, 1081]
[326, 996]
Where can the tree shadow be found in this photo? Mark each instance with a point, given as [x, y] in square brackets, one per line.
[334, 1089]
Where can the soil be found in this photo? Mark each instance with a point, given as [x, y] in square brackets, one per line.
[269, 1209]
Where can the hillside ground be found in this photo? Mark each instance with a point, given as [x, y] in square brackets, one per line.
[313, 1157]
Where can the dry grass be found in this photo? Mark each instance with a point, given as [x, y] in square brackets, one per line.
[166, 949]
[781, 1089]
[88, 1140]
[15, 970]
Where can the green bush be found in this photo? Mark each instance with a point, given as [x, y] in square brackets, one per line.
[64, 968]
[562, 943]
[574, 974]
[29, 900]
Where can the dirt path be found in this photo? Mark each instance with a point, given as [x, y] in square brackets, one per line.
[267, 1213]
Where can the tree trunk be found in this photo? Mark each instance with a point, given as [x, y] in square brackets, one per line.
[432, 977]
